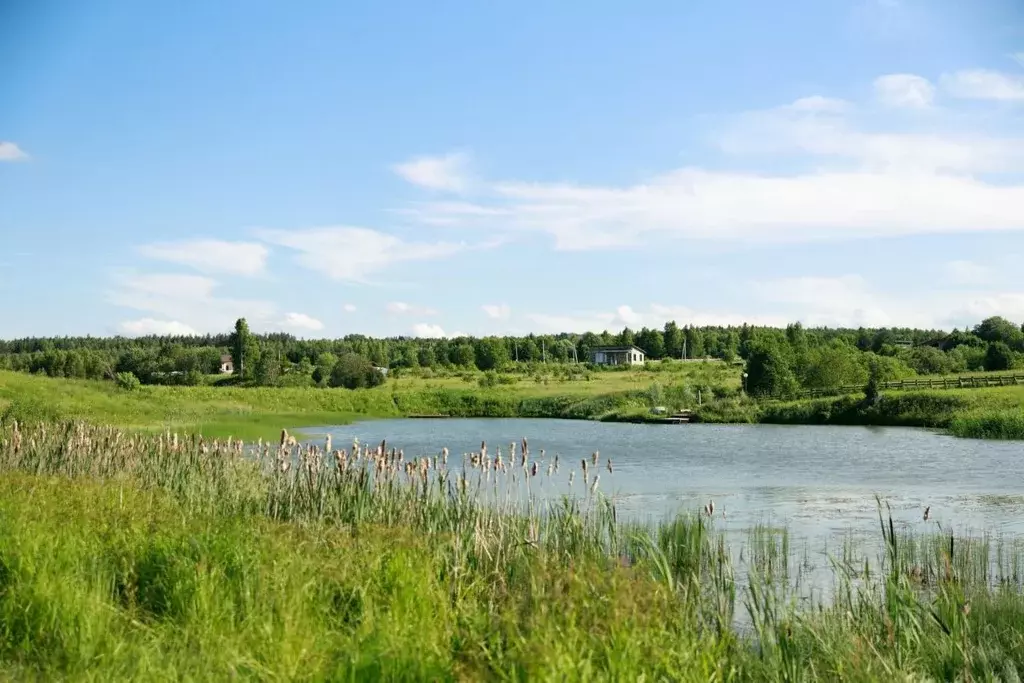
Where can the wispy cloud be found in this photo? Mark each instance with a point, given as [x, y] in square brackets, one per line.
[353, 254]
[982, 84]
[349, 308]
[654, 316]
[432, 331]
[9, 151]
[848, 175]
[301, 322]
[449, 172]
[904, 90]
[968, 273]
[211, 255]
[190, 300]
[148, 326]
[403, 308]
[497, 311]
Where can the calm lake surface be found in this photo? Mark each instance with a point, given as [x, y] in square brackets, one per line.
[818, 482]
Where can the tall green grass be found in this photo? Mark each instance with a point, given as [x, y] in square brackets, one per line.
[127, 556]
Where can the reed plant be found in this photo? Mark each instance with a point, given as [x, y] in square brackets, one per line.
[163, 556]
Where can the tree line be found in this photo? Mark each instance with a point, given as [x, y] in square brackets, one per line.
[777, 361]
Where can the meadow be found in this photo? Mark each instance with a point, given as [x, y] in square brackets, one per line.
[126, 556]
[711, 390]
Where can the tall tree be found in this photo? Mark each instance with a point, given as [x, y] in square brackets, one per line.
[673, 340]
[241, 341]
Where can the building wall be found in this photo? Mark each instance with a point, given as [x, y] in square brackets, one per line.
[618, 358]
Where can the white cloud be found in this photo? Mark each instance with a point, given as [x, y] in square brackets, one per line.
[448, 172]
[968, 273]
[352, 254]
[1018, 57]
[655, 316]
[843, 179]
[402, 308]
[302, 322]
[9, 151]
[190, 299]
[849, 301]
[210, 255]
[497, 311]
[349, 308]
[843, 301]
[431, 331]
[904, 90]
[148, 326]
[981, 84]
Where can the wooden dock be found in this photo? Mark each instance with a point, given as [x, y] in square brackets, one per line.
[681, 418]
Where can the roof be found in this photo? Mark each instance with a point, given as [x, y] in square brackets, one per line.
[226, 358]
[612, 349]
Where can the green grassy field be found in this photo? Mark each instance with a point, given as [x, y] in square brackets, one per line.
[144, 558]
[246, 412]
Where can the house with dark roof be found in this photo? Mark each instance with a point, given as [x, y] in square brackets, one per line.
[617, 355]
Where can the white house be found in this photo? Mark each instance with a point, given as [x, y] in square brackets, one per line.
[227, 364]
[617, 355]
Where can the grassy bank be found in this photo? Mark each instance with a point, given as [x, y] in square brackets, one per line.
[257, 412]
[995, 413]
[153, 558]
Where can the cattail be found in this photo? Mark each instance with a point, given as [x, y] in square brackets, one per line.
[533, 470]
[609, 465]
[593, 487]
[595, 456]
[284, 437]
[327, 444]
[572, 476]
[483, 449]
[551, 469]
[444, 455]
[927, 513]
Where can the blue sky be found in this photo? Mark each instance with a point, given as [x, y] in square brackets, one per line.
[508, 167]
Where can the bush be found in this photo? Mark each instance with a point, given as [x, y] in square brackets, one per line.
[354, 371]
[999, 357]
[127, 381]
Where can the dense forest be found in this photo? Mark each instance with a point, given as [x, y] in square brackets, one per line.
[777, 360]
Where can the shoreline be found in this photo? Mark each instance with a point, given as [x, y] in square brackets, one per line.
[249, 413]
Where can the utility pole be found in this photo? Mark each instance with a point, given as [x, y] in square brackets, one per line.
[543, 353]
[684, 348]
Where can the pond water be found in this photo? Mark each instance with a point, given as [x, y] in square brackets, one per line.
[819, 482]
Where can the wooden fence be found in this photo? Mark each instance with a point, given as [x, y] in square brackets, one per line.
[970, 382]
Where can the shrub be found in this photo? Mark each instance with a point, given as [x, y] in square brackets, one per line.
[354, 371]
[127, 381]
[999, 357]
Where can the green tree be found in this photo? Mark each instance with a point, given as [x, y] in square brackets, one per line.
[491, 354]
[694, 342]
[999, 356]
[673, 340]
[426, 357]
[997, 329]
[245, 350]
[267, 370]
[463, 355]
[768, 371]
[928, 360]
[626, 337]
[833, 366]
[353, 371]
